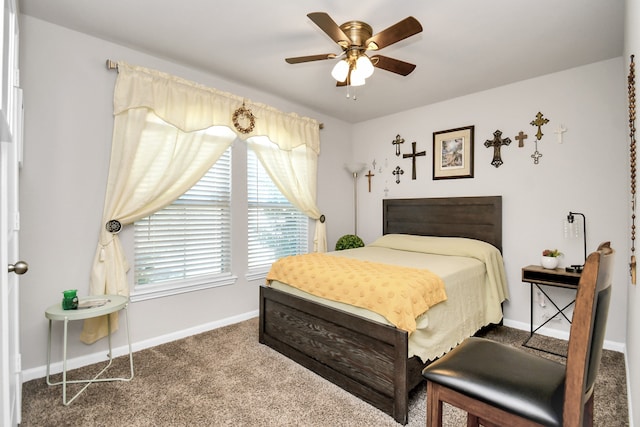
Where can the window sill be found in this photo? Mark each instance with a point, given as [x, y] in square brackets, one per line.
[258, 274]
[147, 292]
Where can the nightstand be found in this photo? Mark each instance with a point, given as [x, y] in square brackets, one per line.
[538, 276]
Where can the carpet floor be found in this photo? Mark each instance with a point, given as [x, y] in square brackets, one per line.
[225, 377]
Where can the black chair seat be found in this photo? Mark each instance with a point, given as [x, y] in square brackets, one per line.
[505, 377]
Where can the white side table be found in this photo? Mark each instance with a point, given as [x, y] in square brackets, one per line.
[55, 312]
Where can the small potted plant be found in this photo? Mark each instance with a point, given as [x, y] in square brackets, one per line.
[349, 241]
[550, 258]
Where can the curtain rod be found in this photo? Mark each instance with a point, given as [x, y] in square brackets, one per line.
[113, 65]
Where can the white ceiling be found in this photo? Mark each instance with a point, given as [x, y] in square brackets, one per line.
[466, 45]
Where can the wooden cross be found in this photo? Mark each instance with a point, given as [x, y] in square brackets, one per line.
[413, 156]
[520, 138]
[496, 143]
[559, 132]
[539, 121]
[369, 175]
[397, 172]
[397, 143]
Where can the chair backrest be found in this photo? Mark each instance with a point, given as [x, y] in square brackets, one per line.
[587, 332]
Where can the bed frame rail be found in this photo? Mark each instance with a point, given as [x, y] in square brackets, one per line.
[365, 358]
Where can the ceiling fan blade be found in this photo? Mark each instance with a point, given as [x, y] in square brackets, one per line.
[299, 59]
[399, 31]
[329, 26]
[393, 65]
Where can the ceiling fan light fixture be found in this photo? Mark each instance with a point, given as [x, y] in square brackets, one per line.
[355, 38]
[356, 78]
[340, 70]
[364, 66]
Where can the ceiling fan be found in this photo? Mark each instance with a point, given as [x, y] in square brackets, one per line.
[356, 38]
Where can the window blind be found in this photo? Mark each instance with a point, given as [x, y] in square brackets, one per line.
[276, 228]
[191, 238]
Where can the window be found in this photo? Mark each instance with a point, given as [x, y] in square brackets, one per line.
[188, 243]
[276, 227]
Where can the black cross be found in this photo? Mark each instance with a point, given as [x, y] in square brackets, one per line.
[496, 143]
[413, 156]
[397, 172]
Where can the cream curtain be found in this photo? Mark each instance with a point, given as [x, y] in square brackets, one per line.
[167, 134]
[294, 172]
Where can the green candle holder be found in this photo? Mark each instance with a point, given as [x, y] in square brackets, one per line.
[70, 299]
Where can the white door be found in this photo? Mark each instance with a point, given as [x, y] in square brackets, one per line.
[10, 267]
[10, 369]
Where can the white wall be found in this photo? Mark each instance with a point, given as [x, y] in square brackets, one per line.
[68, 96]
[587, 173]
[632, 46]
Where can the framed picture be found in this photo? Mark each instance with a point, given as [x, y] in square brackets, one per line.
[453, 153]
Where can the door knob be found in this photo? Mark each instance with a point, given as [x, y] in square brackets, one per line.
[19, 267]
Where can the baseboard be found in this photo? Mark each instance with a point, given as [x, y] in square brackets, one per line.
[563, 335]
[78, 362]
[41, 371]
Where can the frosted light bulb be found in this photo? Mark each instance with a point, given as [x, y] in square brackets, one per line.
[340, 71]
[364, 66]
[356, 78]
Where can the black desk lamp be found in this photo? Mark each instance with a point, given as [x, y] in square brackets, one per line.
[577, 268]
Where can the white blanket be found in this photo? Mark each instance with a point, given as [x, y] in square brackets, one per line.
[475, 290]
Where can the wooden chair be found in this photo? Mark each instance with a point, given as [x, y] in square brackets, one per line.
[500, 385]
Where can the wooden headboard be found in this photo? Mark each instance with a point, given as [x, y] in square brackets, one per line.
[473, 217]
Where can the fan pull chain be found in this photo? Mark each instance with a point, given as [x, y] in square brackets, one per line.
[632, 114]
[355, 96]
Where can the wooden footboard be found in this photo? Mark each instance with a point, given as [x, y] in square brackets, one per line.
[363, 357]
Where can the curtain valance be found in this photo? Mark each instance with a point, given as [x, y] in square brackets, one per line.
[190, 106]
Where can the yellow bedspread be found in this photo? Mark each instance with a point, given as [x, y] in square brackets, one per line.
[400, 294]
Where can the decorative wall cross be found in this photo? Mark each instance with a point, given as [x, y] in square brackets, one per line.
[397, 143]
[413, 156]
[536, 155]
[369, 175]
[520, 138]
[496, 143]
[375, 165]
[559, 132]
[539, 121]
[397, 172]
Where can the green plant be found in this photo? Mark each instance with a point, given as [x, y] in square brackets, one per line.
[552, 253]
[349, 241]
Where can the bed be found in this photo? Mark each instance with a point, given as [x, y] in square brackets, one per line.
[360, 353]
